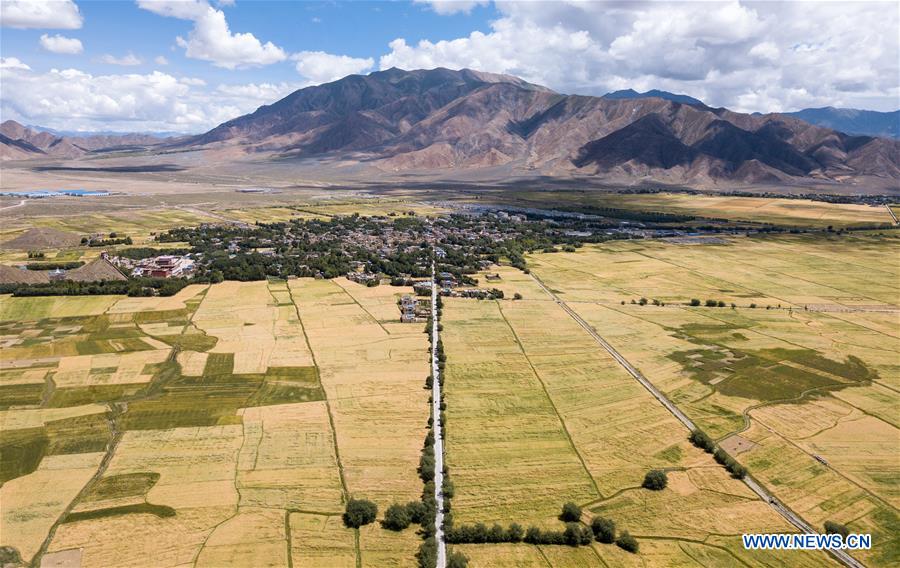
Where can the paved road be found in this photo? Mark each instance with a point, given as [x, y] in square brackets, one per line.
[754, 486]
[438, 434]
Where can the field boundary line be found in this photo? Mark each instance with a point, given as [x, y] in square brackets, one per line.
[562, 422]
[334, 442]
[788, 514]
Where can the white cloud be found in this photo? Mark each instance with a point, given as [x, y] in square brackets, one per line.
[160, 60]
[47, 14]
[61, 44]
[13, 63]
[321, 67]
[127, 60]
[70, 99]
[211, 39]
[739, 54]
[447, 7]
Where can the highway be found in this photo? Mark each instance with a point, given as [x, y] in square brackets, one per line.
[754, 485]
[437, 430]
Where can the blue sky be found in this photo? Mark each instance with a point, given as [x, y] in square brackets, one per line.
[186, 65]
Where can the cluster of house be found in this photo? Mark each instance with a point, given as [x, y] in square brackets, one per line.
[414, 309]
[166, 266]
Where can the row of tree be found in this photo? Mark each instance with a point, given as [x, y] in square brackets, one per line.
[705, 443]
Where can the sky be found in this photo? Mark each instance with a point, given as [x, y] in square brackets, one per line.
[187, 65]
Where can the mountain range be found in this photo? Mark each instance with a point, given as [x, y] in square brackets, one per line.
[440, 119]
[18, 142]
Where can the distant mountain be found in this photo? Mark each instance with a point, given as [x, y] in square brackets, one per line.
[18, 142]
[441, 119]
[665, 95]
[853, 121]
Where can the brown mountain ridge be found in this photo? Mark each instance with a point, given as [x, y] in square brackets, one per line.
[434, 119]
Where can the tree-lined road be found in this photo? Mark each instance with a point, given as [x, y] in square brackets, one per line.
[436, 429]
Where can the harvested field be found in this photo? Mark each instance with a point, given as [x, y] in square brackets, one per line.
[212, 409]
[538, 415]
[791, 212]
[373, 380]
[26, 519]
[812, 394]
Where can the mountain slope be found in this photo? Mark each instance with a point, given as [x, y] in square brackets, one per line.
[628, 94]
[853, 121]
[19, 142]
[434, 119]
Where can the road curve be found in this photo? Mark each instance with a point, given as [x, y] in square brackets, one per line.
[754, 485]
[437, 429]
[19, 204]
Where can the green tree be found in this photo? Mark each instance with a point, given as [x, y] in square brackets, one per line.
[655, 480]
[457, 560]
[832, 527]
[417, 511]
[572, 534]
[604, 529]
[396, 518]
[360, 512]
[571, 513]
[627, 542]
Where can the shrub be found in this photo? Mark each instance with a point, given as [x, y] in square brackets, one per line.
[655, 480]
[832, 527]
[720, 304]
[604, 529]
[642, 301]
[695, 302]
[573, 534]
[496, 534]
[514, 533]
[571, 513]
[517, 296]
[396, 518]
[427, 554]
[753, 306]
[533, 535]
[627, 542]
[711, 303]
[417, 512]
[360, 512]
[457, 560]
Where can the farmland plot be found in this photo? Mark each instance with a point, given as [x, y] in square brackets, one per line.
[538, 415]
[803, 393]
